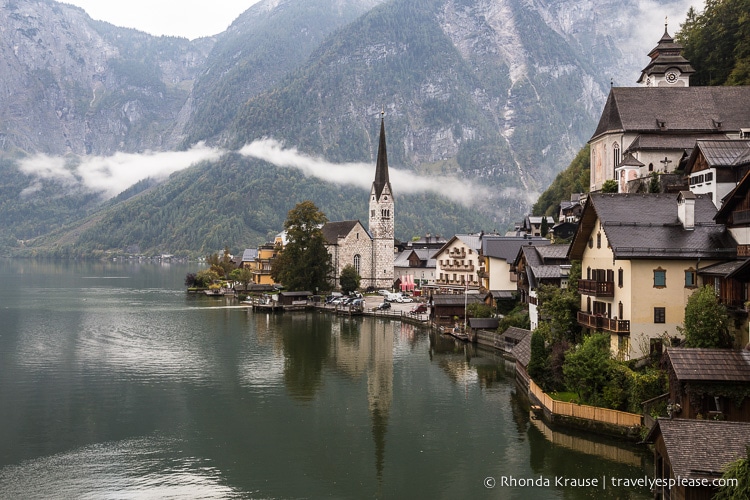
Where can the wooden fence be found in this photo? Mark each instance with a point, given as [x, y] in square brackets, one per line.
[605, 415]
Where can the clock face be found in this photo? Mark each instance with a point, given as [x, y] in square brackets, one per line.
[671, 76]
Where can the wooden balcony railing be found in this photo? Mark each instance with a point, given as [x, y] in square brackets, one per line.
[596, 288]
[603, 323]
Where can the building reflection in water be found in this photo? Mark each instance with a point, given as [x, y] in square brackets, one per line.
[366, 348]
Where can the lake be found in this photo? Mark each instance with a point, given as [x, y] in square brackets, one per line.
[116, 383]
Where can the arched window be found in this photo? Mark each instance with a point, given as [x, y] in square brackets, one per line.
[616, 154]
[357, 260]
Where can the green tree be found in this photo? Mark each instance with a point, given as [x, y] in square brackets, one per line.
[706, 321]
[205, 277]
[717, 43]
[740, 470]
[303, 263]
[242, 274]
[587, 367]
[479, 310]
[539, 361]
[349, 279]
[654, 186]
[558, 308]
[544, 229]
[609, 186]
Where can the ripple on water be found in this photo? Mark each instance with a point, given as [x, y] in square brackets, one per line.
[150, 467]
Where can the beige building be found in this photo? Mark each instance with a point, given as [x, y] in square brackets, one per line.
[640, 257]
[499, 254]
[458, 263]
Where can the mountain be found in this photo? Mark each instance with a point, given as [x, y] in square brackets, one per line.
[75, 85]
[501, 94]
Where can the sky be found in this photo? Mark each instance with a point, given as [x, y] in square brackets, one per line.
[187, 18]
[197, 18]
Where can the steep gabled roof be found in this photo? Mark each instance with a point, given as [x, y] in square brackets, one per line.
[332, 231]
[701, 448]
[705, 110]
[646, 226]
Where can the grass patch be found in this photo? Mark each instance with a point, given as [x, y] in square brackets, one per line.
[568, 397]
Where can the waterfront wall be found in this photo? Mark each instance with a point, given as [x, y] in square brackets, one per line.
[592, 418]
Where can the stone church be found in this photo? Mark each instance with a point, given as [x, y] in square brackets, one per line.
[371, 250]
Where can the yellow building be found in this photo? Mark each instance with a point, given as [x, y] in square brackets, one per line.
[640, 258]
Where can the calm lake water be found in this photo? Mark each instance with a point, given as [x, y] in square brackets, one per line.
[114, 383]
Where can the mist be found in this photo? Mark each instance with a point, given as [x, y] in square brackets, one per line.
[111, 175]
[361, 175]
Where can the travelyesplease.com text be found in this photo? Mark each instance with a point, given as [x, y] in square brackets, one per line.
[605, 482]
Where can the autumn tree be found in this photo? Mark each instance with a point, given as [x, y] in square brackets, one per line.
[304, 262]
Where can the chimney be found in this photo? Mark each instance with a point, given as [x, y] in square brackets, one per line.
[686, 209]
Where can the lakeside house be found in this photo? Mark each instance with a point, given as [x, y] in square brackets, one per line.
[709, 383]
[640, 256]
[689, 452]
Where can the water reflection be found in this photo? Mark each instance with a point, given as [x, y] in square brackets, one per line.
[146, 390]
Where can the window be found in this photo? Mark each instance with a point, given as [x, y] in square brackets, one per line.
[620, 277]
[357, 260]
[616, 154]
[691, 278]
[591, 242]
[660, 278]
[650, 167]
[620, 312]
[372, 213]
[598, 240]
[659, 315]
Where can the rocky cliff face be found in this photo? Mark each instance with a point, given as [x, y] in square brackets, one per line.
[73, 85]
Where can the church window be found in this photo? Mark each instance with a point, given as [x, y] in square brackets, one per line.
[357, 260]
[616, 154]
[385, 213]
[372, 213]
[650, 167]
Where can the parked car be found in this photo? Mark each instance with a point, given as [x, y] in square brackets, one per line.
[383, 306]
[419, 309]
[404, 299]
[383, 292]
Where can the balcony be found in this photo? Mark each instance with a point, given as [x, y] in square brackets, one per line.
[458, 267]
[596, 288]
[603, 323]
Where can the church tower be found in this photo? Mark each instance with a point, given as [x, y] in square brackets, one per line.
[381, 223]
[668, 68]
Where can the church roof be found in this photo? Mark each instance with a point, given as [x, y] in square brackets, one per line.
[381, 167]
[332, 231]
[696, 110]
